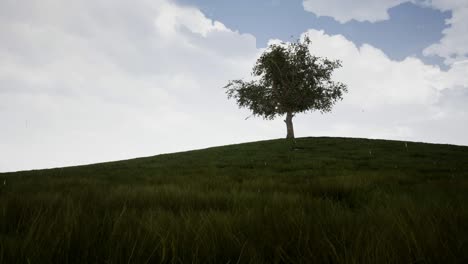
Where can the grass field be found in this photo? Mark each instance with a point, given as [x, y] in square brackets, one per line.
[327, 200]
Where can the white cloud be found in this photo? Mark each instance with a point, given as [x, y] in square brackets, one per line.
[369, 72]
[390, 99]
[454, 44]
[86, 83]
[170, 18]
[347, 10]
[428, 96]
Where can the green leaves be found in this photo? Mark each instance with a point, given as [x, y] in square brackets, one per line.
[291, 79]
[254, 96]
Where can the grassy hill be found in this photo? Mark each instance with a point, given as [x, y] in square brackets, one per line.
[327, 200]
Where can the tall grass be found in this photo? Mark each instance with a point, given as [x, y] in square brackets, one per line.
[324, 200]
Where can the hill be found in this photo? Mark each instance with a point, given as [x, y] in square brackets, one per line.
[325, 200]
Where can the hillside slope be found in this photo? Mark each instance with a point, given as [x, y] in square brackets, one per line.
[333, 200]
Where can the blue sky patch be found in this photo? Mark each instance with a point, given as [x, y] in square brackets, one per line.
[410, 29]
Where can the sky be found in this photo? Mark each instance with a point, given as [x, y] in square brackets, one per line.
[97, 80]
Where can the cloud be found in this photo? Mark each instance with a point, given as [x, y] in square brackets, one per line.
[370, 73]
[406, 99]
[347, 10]
[391, 99]
[81, 82]
[453, 45]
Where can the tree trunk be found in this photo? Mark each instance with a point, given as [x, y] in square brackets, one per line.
[289, 125]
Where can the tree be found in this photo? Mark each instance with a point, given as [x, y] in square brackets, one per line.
[289, 80]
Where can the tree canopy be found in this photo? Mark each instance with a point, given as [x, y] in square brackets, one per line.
[288, 80]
